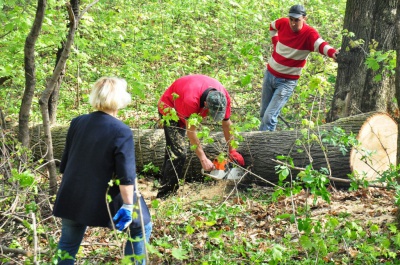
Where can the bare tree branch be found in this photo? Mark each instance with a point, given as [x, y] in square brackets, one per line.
[87, 8]
[6, 250]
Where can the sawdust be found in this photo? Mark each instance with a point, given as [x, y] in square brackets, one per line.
[191, 191]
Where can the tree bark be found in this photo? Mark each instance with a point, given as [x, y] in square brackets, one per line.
[355, 90]
[44, 102]
[397, 84]
[54, 97]
[30, 74]
[376, 131]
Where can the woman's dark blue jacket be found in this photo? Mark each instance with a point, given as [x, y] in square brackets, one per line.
[98, 148]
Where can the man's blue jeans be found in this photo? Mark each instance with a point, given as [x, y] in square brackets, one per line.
[72, 234]
[275, 93]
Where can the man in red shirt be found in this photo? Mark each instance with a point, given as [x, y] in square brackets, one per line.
[192, 94]
[293, 40]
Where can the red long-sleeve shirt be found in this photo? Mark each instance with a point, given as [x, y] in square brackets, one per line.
[291, 49]
[184, 95]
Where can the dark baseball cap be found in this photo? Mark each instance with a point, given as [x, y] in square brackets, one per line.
[297, 11]
[216, 104]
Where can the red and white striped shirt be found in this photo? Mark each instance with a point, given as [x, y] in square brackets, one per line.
[291, 49]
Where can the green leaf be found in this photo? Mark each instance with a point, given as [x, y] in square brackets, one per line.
[392, 228]
[210, 223]
[378, 78]
[277, 252]
[372, 64]
[155, 204]
[374, 228]
[385, 243]
[305, 242]
[245, 80]
[283, 216]
[215, 234]
[189, 230]
[179, 253]
[396, 239]
[25, 179]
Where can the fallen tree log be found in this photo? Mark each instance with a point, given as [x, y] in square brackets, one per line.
[376, 133]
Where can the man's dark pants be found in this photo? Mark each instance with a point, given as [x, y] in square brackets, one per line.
[174, 159]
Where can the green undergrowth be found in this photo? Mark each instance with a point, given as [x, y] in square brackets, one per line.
[250, 228]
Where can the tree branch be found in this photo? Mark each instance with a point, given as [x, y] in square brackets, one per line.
[6, 250]
[87, 8]
[329, 177]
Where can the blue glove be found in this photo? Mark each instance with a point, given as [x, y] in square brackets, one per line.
[123, 218]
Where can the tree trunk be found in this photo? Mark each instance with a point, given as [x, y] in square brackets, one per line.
[54, 97]
[44, 102]
[375, 131]
[30, 74]
[355, 90]
[397, 86]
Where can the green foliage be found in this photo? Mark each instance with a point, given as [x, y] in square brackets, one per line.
[151, 43]
[338, 137]
[25, 179]
[379, 61]
[390, 178]
[179, 253]
[150, 168]
[170, 115]
[316, 238]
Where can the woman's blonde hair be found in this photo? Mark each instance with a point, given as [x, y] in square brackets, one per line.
[109, 93]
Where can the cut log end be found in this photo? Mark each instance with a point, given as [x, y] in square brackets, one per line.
[378, 147]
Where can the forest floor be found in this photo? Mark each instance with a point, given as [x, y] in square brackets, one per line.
[365, 206]
[257, 220]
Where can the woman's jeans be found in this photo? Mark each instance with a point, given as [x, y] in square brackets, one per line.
[72, 234]
[275, 93]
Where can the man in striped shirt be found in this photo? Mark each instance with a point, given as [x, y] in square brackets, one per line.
[293, 40]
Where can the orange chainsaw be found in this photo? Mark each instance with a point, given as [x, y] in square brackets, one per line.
[224, 169]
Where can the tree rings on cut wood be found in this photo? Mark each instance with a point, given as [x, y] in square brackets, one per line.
[378, 135]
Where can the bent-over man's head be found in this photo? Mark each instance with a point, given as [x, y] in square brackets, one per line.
[216, 105]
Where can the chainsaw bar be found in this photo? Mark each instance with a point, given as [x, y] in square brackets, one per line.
[228, 174]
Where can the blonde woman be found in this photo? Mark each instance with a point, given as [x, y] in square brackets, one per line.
[99, 147]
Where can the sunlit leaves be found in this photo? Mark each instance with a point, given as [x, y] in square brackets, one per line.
[25, 179]
[179, 253]
[277, 253]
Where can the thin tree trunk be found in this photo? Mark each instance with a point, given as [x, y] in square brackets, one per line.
[44, 102]
[30, 74]
[73, 8]
[55, 95]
